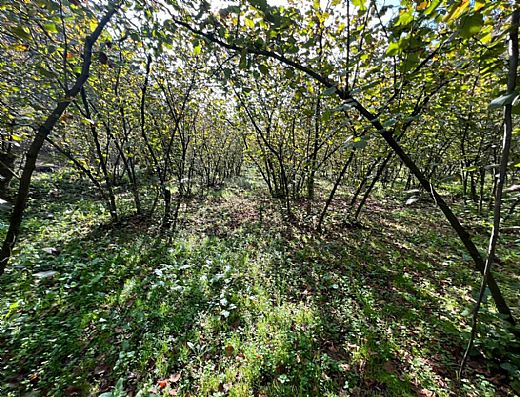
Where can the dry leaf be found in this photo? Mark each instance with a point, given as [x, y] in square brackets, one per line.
[345, 367]
[389, 367]
[425, 393]
[175, 377]
[229, 350]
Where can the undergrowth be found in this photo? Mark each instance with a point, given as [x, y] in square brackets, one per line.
[240, 302]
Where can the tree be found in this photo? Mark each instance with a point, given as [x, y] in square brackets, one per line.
[43, 131]
[417, 39]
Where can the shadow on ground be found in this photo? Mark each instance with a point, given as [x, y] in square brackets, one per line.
[238, 303]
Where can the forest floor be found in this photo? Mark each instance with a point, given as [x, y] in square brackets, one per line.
[242, 303]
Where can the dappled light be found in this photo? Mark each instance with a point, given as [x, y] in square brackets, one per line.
[261, 198]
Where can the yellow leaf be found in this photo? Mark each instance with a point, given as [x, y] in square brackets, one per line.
[21, 47]
[479, 4]
[486, 38]
[249, 23]
[422, 5]
[456, 11]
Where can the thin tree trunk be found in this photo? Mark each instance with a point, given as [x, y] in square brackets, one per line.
[464, 236]
[372, 184]
[502, 173]
[166, 221]
[128, 162]
[314, 154]
[333, 191]
[364, 180]
[482, 172]
[102, 160]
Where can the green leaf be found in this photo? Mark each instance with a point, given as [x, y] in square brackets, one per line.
[359, 142]
[289, 73]
[260, 4]
[411, 61]
[117, 392]
[263, 69]
[330, 91]
[227, 72]
[360, 4]
[365, 87]
[432, 7]
[389, 123]
[393, 49]
[404, 19]
[50, 27]
[46, 72]
[167, 45]
[456, 11]
[196, 47]
[249, 23]
[503, 101]
[21, 32]
[93, 25]
[243, 58]
[87, 121]
[471, 25]
[509, 367]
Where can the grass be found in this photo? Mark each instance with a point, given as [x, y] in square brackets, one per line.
[241, 303]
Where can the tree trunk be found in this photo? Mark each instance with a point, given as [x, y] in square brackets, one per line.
[167, 196]
[314, 154]
[7, 173]
[102, 160]
[502, 173]
[372, 184]
[333, 191]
